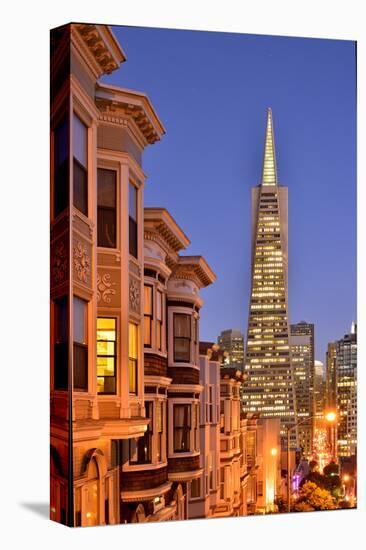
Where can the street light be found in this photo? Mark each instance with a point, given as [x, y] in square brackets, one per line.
[330, 417]
[274, 451]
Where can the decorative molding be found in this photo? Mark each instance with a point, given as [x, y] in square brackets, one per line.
[82, 261]
[105, 288]
[134, 295]
[59, 263]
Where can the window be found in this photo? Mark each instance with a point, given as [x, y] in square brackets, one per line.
[107, 211]
[61, 357]
[182, 337]
[61, 167]
[133, 355]
[80, 165]
[195, 426]
[141, 447]
[160, 429]
[159, 320]
[210, 405]
[106, 355]
[133, 220]
[195, 337]
[148, 314]
[182, 428]
[196, 488]
[80, 345]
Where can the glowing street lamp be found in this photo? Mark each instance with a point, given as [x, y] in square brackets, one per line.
[331, 416]
[274, 451]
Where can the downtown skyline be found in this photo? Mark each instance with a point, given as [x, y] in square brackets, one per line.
[315, 139]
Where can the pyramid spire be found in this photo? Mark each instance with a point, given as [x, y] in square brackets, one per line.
[269, 176]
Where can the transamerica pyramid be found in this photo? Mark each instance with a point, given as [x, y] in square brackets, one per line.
[269, 387]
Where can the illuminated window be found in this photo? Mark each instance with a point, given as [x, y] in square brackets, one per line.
[182, 427]
[133, 356]
[80, 345]
[133, 220]
[107, 212]
[80, 165]
[148, 314]
[182, 337]
[106, 355]
[61, 167]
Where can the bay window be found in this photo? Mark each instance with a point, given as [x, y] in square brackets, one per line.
[61, 352]
[196, 488]
[141, 447]
[160, 429]
[148, 315]
[106, 355]
[181, 427]
[133, 356]
[80, 344]
[107, 208]
[61, 167]
[132, 214]
[80, 165]
[182, 337]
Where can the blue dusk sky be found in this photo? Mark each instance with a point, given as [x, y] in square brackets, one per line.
[211, 91]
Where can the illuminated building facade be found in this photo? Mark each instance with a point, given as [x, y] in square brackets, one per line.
[269, 389]
[302, 353]
[232, 342]
[269, 464]
[319, 391]
[331, 376]
[346, 352]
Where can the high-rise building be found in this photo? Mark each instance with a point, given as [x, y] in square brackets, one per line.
[269, 388]
[346, 350]
[231, 341]
[302, 353]
[319, 390]
[331, 376]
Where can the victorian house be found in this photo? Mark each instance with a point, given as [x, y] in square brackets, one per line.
[98, 135]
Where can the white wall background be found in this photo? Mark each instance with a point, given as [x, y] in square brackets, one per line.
[24, 270]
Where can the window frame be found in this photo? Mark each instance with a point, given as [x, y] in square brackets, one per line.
[76, 162]
[81, 345]
[150, 315]
[147, 437]
[185, 338]
[109, 208]
[186, 429]
[133, 237]
[114, 356]
[133, 361]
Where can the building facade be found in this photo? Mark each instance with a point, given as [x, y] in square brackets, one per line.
[302, 353]
[269, 465]
[231, 341]
[125, 371]
[319, 392]
[346, 360]
[269, 388]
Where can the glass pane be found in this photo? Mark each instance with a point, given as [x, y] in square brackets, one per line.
[159, 305]
[80, 188]
[182, 349]
[61, 320]
[106, 188]
[80, 320]
[105, 366]
[148, 300]
[107, 227]
[132, 341]
[105, 348]
[147, 331]
[106, 323]
[133, 237]
[132, 376]
[61, 142]
[80, 367]
[80, 141]
[133, 202]
[182, 325]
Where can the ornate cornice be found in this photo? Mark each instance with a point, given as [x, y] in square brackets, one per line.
[98, 45]
[194, 268]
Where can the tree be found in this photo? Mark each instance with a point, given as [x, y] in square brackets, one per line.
[312, 497]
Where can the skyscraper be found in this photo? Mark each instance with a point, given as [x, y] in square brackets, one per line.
[302, 353]
[319, 390]
[347, 393]
[269, 389]
[232, 341]
[331, 376]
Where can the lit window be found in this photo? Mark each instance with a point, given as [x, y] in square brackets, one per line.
[141, 447]
[133, 356]
[80, 165]
[107, 213]
[106, 355]
[80, 345]
[182, 337]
